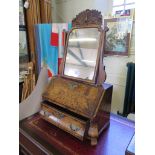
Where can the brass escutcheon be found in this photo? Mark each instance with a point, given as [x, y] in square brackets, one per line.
[72, 86]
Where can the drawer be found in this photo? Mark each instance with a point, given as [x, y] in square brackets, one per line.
[70, 124]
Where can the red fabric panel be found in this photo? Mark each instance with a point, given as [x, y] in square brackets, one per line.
[54, 39]
[63, 38]
[59, 62]
[49, 73]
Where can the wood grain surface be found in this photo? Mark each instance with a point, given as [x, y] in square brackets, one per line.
[78, 97]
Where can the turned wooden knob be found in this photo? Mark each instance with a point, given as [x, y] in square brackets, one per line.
[93, 131]
[93, 141]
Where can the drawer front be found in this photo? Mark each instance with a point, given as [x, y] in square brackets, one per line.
[64, 121]
[30, 147]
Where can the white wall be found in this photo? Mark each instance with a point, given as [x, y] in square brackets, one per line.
[66, 10]
[116, 70]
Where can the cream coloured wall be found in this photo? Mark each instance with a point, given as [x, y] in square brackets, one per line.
[66, 10]
[116, 70]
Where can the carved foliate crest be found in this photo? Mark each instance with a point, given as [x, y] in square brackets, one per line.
[88, 17]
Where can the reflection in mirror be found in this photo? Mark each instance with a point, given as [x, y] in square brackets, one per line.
[82, 53]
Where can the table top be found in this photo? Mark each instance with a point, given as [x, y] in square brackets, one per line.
[112, 141]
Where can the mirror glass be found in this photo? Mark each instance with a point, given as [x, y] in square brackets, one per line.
[82, 53]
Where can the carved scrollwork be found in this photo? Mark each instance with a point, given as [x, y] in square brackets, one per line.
[87, 17]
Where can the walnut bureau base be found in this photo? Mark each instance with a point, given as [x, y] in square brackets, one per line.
[80, 109]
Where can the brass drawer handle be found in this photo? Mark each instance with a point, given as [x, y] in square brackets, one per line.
[74, 127]
[59, 115]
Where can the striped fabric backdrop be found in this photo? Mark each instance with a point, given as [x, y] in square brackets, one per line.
[49, 45]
